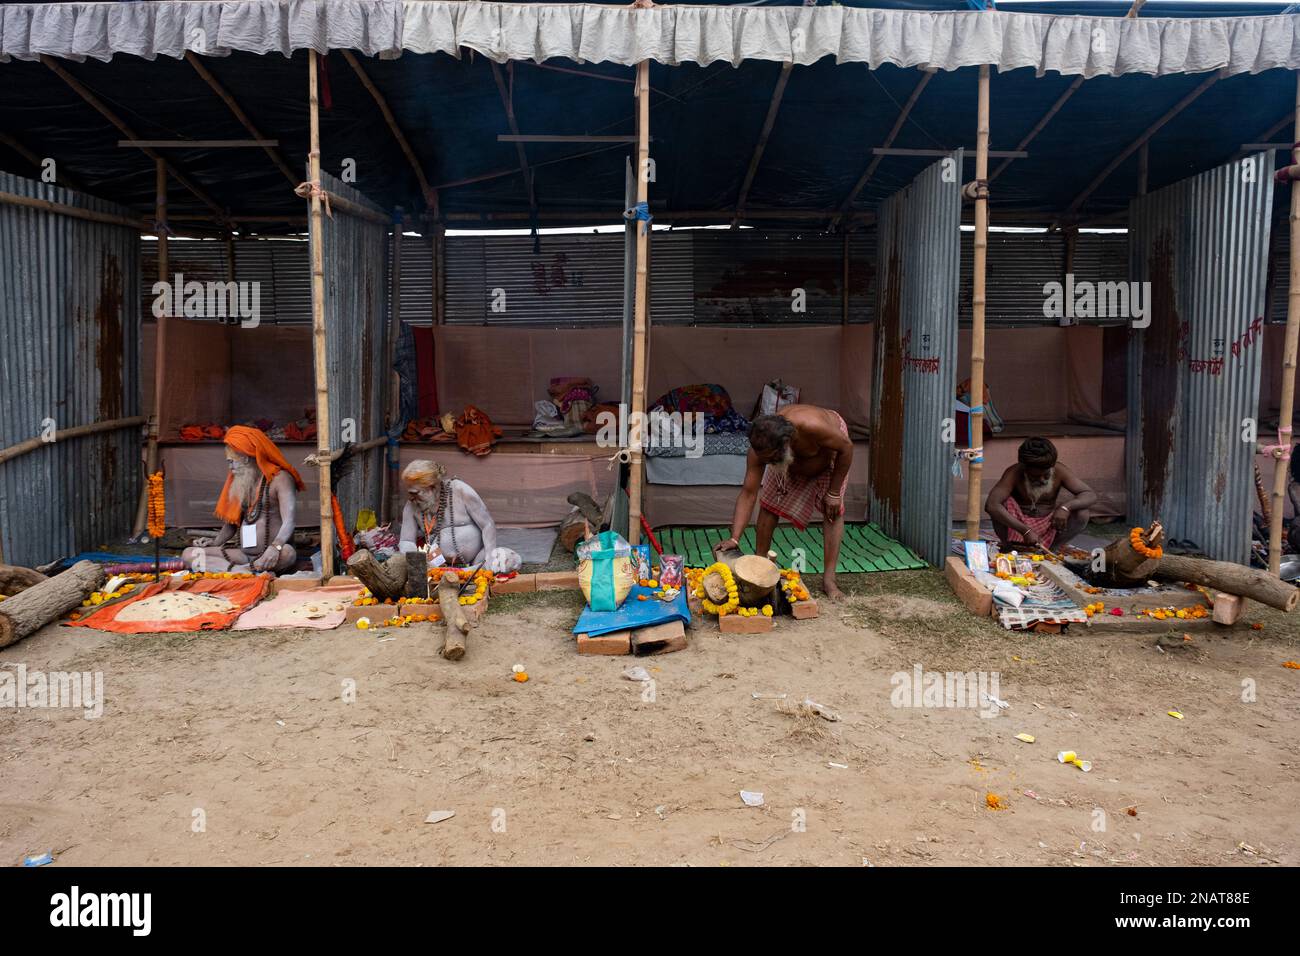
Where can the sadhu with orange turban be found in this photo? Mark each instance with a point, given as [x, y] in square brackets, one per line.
[258, 503]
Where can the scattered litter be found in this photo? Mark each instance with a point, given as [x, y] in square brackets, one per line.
[589, 738]
[866, 862]
[994, 802]
[1174, 714]
[518, 669]
[824, 713]
[1131, 811]
[661, 811]
[437, 816]
[751, 798]
[1027, 738]
[1030, 794]
[757, 696]
[41, 860]
[1291, 664]
[838, 766]
[637, 674]
[520, 677]
[279, 723]
[989, 698]
[1069, 756]
[363, 624]
[385, 640]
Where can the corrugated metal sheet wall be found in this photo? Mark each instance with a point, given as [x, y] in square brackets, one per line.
[69, 294]
[281, 266]
[1194, 372]
[916, 339]
[356, 307]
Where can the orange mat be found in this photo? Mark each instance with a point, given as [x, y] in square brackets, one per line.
[243, 593]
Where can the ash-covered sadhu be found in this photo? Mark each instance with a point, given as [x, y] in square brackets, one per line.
[798, 464]
[1023, 504]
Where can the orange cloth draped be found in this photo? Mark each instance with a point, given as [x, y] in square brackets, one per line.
[270, 462]
[475, 432]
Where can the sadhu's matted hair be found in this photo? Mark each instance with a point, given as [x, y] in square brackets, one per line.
[770, 431]
[1037, 453]
[423, 473]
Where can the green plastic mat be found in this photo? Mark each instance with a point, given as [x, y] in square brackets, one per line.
[864, 548]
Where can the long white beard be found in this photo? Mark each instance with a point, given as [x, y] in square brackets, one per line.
[243, 485]
[1037, 489]
[781, 469]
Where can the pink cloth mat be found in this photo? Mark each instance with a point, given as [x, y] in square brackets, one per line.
[291, 609]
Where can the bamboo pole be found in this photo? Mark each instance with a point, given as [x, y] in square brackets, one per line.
[974, 503]
[640, 322]
[159, 344]
[74, 212]
[1287, 411]
[319, 353]
[63, 434]
[394, 391]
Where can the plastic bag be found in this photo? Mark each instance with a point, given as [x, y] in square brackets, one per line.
[606, 571]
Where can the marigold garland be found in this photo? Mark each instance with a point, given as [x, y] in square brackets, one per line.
[157, 506]
[1135, 539]
[733, 595]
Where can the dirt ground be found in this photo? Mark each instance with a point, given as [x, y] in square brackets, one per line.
[246, 738]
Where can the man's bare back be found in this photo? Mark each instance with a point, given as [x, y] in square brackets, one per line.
[815, 427]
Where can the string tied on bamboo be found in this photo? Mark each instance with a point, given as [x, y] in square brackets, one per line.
[1282, 450]
[313, 189]
[640, 213]
[976, 189]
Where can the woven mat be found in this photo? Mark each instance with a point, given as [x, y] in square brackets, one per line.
[865, 547]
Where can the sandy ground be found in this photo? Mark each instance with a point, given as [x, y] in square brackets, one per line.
[246, 738]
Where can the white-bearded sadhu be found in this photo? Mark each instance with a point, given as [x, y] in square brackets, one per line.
[257, 507]
[1023, 504]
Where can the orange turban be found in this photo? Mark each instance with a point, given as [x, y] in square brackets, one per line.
[270, 461]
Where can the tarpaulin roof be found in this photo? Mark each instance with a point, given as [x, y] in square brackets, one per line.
[671, 34]
[705, 123]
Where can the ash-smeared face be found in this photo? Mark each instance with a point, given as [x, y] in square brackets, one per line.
[244, 473]
[424, 497]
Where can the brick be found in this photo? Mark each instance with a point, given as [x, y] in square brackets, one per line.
[557, 580]
[1227, 608]
[660, 639]
[339, 580]
[519, 584]
[804, 610]
[293, 584]
[414, 607]
[376, 612]
[975, 596]
[735, 624]
[620, 642]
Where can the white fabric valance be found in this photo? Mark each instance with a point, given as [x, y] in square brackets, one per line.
[1091, 46]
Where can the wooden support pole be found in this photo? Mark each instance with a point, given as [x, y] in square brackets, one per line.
[61, 179]
[159, 343]
[889, 141]
[974, 501]
[640, 303]
[514, 128]
[1287, 410]
[844, 279]
[394, 391]
[1144, 158]
[95, 103]
[63, 434]
[773, 108]
[193, 60]
[319, 353]
[73, 212]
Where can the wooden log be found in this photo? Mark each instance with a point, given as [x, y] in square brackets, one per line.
[385, 579]
[573, 528]
[49, 600]
[1125, 566]
[14, 579]
[453, 616]
[1230, 578]
[756, 578]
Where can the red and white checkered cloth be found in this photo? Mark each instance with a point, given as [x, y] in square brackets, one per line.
[796, 497]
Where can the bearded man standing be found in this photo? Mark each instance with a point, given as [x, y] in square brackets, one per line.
[799, 459]
[257, 505]
[1023, 504]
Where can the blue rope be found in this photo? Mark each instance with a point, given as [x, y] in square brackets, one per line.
[641, 212]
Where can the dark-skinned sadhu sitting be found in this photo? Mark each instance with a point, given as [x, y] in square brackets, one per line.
[1023, 504]
[798, 463]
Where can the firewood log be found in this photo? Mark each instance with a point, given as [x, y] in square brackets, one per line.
[14, 579]
[1127, 567]
[453, 616]
[1226, 577]
[756, 578]
[48, 600]
[385, 579]
[573, 528]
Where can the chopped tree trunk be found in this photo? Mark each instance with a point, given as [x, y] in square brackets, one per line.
[1125, 565]
[1229, 578]
[756, 578]
[417, 574]
[47, 601]
[573, 528]
[385, 579]
[453, 616]
[14, 579]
